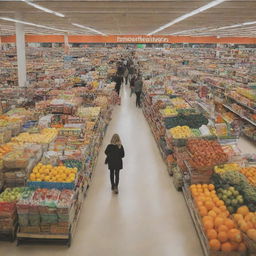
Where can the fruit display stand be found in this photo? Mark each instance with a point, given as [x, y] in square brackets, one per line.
[201, 231]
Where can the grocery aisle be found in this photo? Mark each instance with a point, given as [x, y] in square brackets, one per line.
[148, 217]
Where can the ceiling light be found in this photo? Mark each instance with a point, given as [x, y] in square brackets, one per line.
[235, 26]
[190, 30]
[43, 8]
[88, 28]
[185, 16]
[31, 24]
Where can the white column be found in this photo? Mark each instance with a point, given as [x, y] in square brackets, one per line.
[66, 44]
[21, 54]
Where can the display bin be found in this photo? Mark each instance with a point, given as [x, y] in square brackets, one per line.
[23, 219]
[200, 230]
[16, 163]
[7, 209]
[51, 185]
[251, 245]
[30, 229]
[195, 176]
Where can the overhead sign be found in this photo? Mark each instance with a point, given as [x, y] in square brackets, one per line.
[140, 39]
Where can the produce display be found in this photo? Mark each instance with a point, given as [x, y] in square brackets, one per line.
[46, 136]
[221, 231]
[179, 132]
[46, 168]
[205, 153]
[250, 174]
[53, 173]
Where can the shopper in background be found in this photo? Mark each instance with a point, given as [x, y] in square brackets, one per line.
[114, 153]
[118, 80]
[132, 84]
[138, 89]
[126, 74]
[131, 72]
[120, 69]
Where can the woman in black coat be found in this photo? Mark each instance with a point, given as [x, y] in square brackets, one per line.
[115, 153]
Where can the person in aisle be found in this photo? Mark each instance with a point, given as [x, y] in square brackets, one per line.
[115, 154]
[138, 89]
[131, 72]
[132, 84]
[126, 74]
[118, 80]
[120, 69]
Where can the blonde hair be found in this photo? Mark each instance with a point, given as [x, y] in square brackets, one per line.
[116, 140]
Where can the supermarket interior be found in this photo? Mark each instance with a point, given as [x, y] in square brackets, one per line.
[128, 128]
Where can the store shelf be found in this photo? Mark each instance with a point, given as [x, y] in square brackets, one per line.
[242, 104]
[243, 117]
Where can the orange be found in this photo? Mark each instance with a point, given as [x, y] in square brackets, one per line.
[235, 235]
[209, 205]
[218, 221]
[199, 203]
[211, 187]
[243, 210]
[220, 203]
[215, 244]
[202, 211]
[217, 210]
[222, 228]
[212, 234]
[229, 223]
[251, 233]
[223, 208]
[212, 213]
[226, 247]
[208, 224]
[209, 218]
[243, 225]
[192, 186]
[222, 236]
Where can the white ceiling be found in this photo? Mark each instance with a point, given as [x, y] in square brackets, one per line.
[132, 17]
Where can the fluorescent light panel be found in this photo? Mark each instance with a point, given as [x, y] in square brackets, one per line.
[43, 8]
[88, 28]
[190, 30]
[31, 24]
[190, 14]
[235, 26]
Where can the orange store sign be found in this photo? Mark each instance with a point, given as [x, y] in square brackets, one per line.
[140, 39]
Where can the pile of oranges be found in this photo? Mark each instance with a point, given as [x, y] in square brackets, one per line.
[246, 221]
[250, 174]
[51, 173]
[219, 228]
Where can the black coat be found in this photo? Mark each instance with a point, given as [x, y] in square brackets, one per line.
[114, 157]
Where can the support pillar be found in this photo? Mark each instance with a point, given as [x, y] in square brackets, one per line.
[21, 54]
[66, 44]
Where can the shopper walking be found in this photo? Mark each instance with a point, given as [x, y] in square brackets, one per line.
[138, 90]
[132, 84]
[126, 74]
[118, 80]
[114, 153]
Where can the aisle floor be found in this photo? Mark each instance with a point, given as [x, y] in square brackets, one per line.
[148, 217]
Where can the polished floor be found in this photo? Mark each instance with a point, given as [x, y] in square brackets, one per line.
[148, 217]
